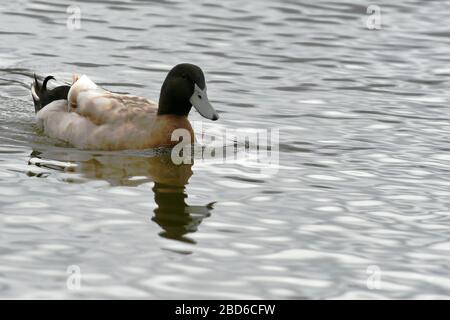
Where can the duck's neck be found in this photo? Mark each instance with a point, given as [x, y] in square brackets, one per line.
[171, 104]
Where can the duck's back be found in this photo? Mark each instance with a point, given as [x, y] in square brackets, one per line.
[101, 106]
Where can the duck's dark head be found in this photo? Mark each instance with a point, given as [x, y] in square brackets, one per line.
[183, 88]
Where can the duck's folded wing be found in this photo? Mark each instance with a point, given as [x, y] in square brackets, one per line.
[104, 107]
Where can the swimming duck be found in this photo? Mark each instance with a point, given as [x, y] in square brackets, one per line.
[90, 117]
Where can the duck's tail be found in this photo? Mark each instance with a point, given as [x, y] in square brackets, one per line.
[38, 91]
[42, 96]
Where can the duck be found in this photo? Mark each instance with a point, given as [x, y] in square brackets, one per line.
[93, 118]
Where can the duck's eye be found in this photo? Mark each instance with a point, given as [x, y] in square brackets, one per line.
[199, 96]
[184, 76]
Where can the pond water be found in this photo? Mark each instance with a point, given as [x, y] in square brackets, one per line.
[359, 206]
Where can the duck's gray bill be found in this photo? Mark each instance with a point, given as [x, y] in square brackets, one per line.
[199, 100]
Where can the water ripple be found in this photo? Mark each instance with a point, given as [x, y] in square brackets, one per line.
[363, 173]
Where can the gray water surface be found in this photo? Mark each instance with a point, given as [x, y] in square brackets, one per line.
[362, 188]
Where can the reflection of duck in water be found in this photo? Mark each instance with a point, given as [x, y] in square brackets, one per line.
[172, 213]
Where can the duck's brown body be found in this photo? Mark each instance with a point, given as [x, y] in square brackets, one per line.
[93, 118]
